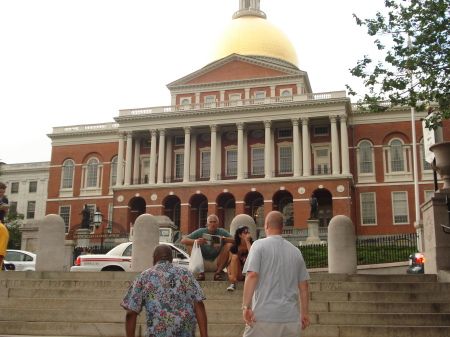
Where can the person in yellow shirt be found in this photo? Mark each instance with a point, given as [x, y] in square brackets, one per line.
[4, 237]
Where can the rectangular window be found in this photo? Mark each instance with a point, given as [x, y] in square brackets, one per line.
[205, 164]
[14, 187]
[12, 207]
[32, 187]
[258, 161]
[179, 140]
[285, 159]
[400, 207]
[260, 94]
[64, 213]
[321, 131]
[92, 209]
[231, 162]
[368, 209]
[31, 209]
[210, 99]
[285, 133]
[179, 165]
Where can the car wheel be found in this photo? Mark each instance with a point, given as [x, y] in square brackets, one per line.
[112, 268]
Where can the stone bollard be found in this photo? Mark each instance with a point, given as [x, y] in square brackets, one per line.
[145, 239]
[341, 246]
[243, 220]
[51, 244]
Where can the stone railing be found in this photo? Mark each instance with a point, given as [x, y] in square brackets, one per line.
[234, 103]
[84, 128]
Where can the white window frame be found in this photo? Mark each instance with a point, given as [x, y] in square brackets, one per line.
[405, 175]
[187, 99]
[321, 134]
[286, 92]
[365, 210]
[65, 216]
[113, 171]
[205, 163]
[210, 99]
[234, 97]
[428, 194]
[67, 175]
[31, 209]
[280, 136]
[178, 168]
[179, 140]
[320, 147]
[365, 177]
[425, 167]
[92, 190]
[256, 169]
[282, 161]
[395, 211]
[231, 166]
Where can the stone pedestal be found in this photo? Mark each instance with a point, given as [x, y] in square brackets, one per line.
[436, 242]
[29, 235]
[341, 246]
[313, 232]
[81, 241]
[146, 238]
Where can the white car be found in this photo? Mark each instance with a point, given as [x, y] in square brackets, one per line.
[119, 259]
[22, 260]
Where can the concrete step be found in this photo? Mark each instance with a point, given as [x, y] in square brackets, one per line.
[374, 331]
[380, 296]
[377, 286]
[374, 307]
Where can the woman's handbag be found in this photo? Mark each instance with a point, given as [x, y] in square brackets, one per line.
[196, 261]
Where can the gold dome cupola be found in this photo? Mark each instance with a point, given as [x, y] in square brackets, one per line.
[250, 34]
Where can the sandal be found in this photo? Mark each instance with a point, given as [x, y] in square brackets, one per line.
[200, 277]
[218, 277]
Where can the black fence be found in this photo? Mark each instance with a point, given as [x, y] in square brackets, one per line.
[388, 249]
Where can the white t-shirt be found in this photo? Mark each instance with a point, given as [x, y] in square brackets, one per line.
[280, 267]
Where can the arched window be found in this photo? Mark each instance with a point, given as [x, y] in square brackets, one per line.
[287, 209]
[286, 93]
[114, 171]
[177, 214]
[202, 214]
[397, 156]
[425, 165]
[365, 157]
[67, 173]
[92, 173]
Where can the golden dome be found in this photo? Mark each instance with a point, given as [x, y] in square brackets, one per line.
[252, 35]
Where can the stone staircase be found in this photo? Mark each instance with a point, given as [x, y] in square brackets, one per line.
[87, 304]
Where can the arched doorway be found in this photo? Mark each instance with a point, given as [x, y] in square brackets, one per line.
[172, 209]
[254, 206]
[325, 209]
[137, 207]
[198, 213]
[227, 209]
[284, 203]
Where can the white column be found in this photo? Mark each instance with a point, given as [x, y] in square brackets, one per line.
[197, 97]
[128, 158]
[187, 153]
[306, 148]
[344, 146]
[272, 91]
[152, 174]
[120, 160]
[247, 94]
[240, 153]
[137, 153]
[222, 95]
[334, 146]
[169, 158]
[162, 144]
[213, 156]
[267, 150]
[296, 148]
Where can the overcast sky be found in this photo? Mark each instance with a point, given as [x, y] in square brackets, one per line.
[79, 62]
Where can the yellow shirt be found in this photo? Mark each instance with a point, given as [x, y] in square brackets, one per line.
[4, 237]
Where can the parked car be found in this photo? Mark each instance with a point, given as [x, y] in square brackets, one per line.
[119, 259]
[8, 266]
[416, 263]
[23, 260]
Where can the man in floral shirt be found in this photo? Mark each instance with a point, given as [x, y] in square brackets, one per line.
[173, 299]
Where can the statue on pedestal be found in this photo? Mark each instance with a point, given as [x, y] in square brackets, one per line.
[86, 217]
[313, 204]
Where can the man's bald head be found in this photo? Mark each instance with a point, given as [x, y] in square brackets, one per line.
[274, 221]
[162, 252]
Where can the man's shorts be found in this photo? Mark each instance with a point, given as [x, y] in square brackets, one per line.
[210, 265]
[274, 329]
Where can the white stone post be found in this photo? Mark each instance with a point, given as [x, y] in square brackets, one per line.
[145, 239]
[341, 246]
[51, 244]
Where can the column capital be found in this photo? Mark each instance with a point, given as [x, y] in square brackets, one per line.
[187, 129]
[214, 127]
[305, 121]
[240, 125]
[343, 118]
[268, 124]
[129, 133]
[153, 132]
[295, 121]
[333, 119]
[162, 132]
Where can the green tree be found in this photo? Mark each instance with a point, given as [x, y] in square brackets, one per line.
[415, 74]
[14, 223]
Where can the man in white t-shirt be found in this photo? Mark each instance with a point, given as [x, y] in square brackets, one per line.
[275, 275]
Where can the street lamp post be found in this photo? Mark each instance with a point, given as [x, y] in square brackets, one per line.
[98, 218]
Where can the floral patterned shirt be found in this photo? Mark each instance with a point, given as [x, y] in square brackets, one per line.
[168, 294]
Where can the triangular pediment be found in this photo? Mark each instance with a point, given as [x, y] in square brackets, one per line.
[237, 68]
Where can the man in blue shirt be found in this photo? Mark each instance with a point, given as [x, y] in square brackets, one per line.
[214, 258]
